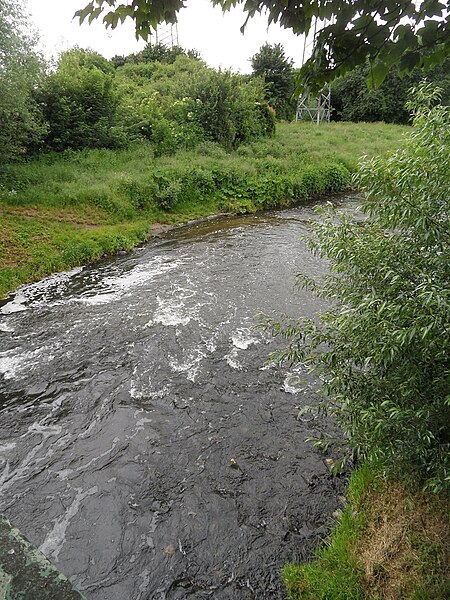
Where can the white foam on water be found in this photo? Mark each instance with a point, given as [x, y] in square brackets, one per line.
[135, 393]
[54, 541]
[211, 345]
[141, 273]
[146, 392]
[13, 363]
[6, 328]
[190, 366]
[232, 360]
[37, 293]
[158, 394]
[7, 447]
[114, 287]
[98, 299]
[9, 476]
[16, 305]
[171, 312]
[292, 384]
[243, 339]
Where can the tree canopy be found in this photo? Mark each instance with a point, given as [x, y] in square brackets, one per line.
[276, 69]
[20, 69]
[404, 32]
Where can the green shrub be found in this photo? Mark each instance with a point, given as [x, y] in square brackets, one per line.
[382, 351]
[140, 193]
[21, 69]
[79, 102]
[169, 190]
[353, 100]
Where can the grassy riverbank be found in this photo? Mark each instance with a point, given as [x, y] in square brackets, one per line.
[62, 210]
[391, 542]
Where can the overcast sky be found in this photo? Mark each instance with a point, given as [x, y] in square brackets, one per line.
[201, 26]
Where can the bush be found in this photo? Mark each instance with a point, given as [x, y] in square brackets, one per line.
[21, 68]
[79, 103]
[184, 103]
[382, 349]
[352, 100]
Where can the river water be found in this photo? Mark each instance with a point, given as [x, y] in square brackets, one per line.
[146, 444]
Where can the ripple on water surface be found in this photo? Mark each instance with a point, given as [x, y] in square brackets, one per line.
[148, 447]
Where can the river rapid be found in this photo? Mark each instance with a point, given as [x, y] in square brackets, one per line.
[146, 444]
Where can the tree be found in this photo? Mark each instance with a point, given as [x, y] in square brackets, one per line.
[382, 347]
[404, 32]
[271, 64]
[352, 100]
[155, 53]
[79, 102]
[20, 70]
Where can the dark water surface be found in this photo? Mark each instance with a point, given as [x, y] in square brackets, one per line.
[145, 445]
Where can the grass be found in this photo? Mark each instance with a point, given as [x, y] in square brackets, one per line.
[391, 543]
[61, 210]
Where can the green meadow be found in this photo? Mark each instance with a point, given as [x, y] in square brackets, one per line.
[59, 210]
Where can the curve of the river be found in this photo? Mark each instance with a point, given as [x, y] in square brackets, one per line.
[146, 445]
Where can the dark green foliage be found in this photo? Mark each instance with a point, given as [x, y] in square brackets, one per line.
[410, 34]
[154, 53]
[21, 121]
[79, 102]
[238, 190]
[386, 369]
[271, 64]
[178, 105]
[228, 108]
[353, 100]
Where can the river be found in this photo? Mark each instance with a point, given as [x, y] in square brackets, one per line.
[147, 446]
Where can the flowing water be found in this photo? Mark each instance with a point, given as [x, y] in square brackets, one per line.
[146, 444]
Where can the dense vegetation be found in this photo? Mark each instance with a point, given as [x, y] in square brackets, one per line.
[382, 350]
[20, 70]
[411, 34]
[353, 100]
[167, 97]
[63, 209]
[278, 74]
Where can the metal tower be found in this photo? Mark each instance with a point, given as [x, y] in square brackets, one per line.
[166, 34]
[316, 109]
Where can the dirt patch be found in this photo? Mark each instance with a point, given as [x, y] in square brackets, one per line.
[88, 217]
[406, 544]
[158, 228]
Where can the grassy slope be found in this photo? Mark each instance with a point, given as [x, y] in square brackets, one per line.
[58, 211]
[392, 542]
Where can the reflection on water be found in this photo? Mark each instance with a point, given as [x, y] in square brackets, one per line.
[146, 445]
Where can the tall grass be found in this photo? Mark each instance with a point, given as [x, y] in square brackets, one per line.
[61, 210]
[391, 541]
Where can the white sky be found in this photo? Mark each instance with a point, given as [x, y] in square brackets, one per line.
[201, 26]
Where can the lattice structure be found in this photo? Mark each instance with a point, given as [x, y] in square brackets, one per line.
[316, 109]
[166, 34]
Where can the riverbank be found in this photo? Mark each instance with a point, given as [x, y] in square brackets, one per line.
[391, 541]
[58, 211]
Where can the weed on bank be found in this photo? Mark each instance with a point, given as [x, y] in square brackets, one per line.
[60, 210]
